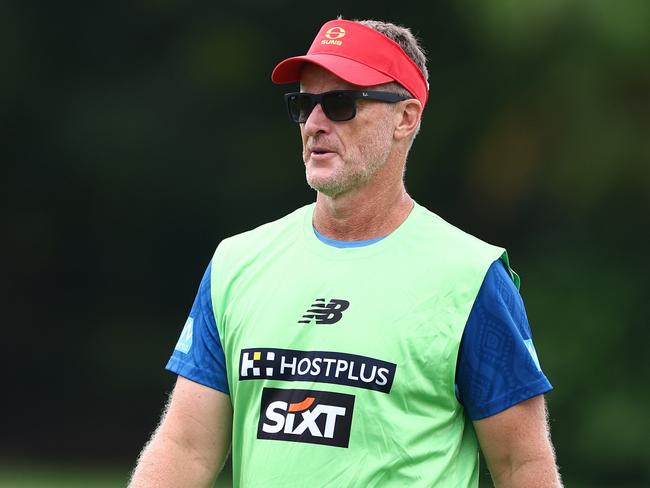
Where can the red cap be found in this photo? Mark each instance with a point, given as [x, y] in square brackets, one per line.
[359, 55]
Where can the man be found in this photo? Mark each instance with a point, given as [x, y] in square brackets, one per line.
[361, 340]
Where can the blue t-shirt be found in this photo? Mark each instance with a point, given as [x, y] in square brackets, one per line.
[497, 366]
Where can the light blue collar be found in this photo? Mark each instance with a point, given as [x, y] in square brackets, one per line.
[342, 244]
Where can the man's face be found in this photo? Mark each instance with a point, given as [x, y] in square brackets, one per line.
[341, 156]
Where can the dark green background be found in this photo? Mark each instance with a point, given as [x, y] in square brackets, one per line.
[136, 135]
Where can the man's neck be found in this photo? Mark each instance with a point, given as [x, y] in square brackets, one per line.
[363, 213]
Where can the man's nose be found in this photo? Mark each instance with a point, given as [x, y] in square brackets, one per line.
[317, 121]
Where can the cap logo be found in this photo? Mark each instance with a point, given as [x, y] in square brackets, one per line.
[335, 33]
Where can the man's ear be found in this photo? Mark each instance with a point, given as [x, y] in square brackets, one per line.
[407, 118]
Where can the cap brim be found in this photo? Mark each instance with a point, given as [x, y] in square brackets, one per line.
[288, 71]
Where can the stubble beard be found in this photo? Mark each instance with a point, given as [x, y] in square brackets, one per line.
[356, 171]
[345, 178]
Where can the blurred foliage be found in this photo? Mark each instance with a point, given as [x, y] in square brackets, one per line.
[30, 476]
[21, 475]
[138, 134]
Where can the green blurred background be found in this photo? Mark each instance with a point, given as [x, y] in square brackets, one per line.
[138, 134]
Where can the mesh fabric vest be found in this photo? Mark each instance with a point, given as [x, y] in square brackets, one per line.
[341, 362]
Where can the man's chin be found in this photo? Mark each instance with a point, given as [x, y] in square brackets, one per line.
[334, 186]
[333, 183]
[329, 189]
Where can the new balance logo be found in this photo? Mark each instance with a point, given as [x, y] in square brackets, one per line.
[325, 313]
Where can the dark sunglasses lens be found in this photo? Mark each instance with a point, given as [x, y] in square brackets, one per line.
[300, 106]
[338, 106]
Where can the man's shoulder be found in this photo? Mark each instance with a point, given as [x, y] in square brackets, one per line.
[440, 243]
[440, 233]
[252, 241]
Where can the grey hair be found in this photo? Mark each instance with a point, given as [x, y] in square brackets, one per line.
[404, 38]
[409, 44]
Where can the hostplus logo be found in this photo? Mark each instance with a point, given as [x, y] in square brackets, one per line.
[250, 360]
[316, 366]
[310, 416]
[325, 313]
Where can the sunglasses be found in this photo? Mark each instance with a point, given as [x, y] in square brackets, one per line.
[338, 105]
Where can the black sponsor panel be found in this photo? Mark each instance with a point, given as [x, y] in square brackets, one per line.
[309, 416]
[317, 366]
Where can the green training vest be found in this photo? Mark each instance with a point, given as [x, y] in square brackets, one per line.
[341, 362]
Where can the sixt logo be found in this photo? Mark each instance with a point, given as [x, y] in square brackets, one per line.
[325, 313]
[317, 366]
[310, 416]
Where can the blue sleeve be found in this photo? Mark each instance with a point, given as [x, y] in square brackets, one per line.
[198, 354]
[497, 363]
